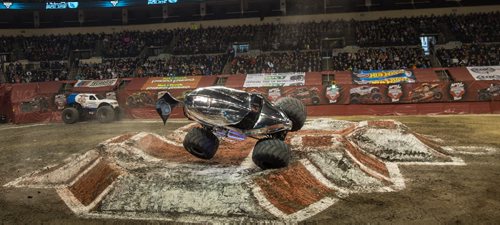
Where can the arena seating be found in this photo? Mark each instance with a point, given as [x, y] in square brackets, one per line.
[282, 47]
[470, 55]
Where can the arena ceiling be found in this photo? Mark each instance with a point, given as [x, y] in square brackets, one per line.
[192, 10]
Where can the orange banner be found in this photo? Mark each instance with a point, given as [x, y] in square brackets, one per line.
[168, 83]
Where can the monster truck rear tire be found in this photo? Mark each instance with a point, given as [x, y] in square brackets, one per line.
[70, 115]
[201, 143]
[119, 113]
[105, 114]
[271, 154]
[294, 109]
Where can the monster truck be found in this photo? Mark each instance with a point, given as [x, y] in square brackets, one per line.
[365, 94]
[230, 113]
[82, 106]
[486, 94]
[139, 100]
[426, 92]
[306, 95]
[37, 104]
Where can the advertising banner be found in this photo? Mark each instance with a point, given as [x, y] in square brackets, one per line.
[168, 83]
[96, 83]
[275, 79]
[383, 77]
[485, 72]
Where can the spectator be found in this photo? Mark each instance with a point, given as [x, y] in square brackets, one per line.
[484, 27]
[394, 31]
[108, 69]
[277, 63]
[382, 59]
[470, 55]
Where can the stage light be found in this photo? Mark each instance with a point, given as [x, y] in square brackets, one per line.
[114, 3]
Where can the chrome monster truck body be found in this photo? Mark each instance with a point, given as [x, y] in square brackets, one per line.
[237, 114]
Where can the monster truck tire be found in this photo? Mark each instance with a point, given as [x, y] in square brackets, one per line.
[105, 114]
[355, 101]
[377, 97]
[484, 96]
[119, 113]
[201, 143]
[70, 115]
[271, 154]
[315, 100]
[438, 95]
[131, 102]
[294, 109]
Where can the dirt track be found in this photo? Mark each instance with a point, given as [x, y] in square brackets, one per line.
[434, 194]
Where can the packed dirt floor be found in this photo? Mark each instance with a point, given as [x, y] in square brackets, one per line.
[467, 194]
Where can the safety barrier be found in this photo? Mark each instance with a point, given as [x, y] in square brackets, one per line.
[327, 93]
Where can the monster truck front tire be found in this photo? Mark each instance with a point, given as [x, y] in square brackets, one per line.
[105, 114]
[70, 115]
[294, 109]
[271, 154]
[201, 143]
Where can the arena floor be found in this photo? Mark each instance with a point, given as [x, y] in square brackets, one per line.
[466, 194]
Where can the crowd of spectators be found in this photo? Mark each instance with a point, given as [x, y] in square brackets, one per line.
[292, 61]
[294, 47]
[484, 27]
[131, 43]
[185, 66]
[123, 44]
[381, 59]
[212, 39]
[53, 47]
[470, 55]
[48, 71]
[299, 36]
[395, 31]
[6, 44]
[108, 68]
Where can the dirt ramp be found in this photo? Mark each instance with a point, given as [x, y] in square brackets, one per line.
[292, 189]
[151, 177]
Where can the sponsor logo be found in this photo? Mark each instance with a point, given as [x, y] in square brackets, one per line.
[395, 92]
[274, 94]
[60, 101]
[457, 90]
[483, 70]
[7, 4]
[333, 93]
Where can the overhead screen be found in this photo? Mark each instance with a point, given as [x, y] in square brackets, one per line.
[54, 5]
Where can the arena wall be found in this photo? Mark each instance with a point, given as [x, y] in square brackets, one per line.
[38, 102]
[256, 21]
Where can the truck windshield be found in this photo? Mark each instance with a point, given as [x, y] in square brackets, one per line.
[100, 97]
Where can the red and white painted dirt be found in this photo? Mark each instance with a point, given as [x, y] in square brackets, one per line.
[147, 176]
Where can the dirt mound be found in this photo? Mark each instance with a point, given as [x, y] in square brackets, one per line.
[147, 176]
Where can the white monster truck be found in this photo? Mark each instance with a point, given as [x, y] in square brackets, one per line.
[83, 105]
